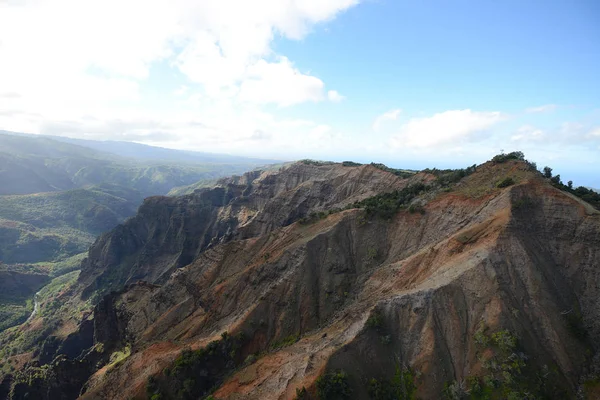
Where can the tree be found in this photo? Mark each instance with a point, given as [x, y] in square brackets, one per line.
[547, 172]
[570, 185]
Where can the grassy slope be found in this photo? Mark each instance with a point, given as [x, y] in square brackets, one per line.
[56, 225]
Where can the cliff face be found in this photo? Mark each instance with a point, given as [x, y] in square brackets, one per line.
[486, 290]
[170, 232]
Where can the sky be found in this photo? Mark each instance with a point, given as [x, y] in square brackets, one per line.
[412, 84]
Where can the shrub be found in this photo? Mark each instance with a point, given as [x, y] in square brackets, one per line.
[515, 155]
[318, 163]
[301, 394]
[575, 324]
[386, 205]
[402, 173]
[523, 202]
[401, 386]
[375, 321]
[416, 208]
[447, 177]
[194, 373]
[333, 386]
[506, 182]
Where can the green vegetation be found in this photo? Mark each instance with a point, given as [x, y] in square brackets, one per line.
[55, 226]
[301, 394]
[286, 341]
[447, 177]
[582, 192]
[506, 182]
[375, 321]
[333, 386]
[14, 314]
[16, 293]
[65, 266]
[574, 321]
[507, 373]
[402, 173]
[196, 373]
[50, 297]
[401, 387]
[515, 155]
[317, 163]
[351, 164]
[386, 205]
[118, 357]
[316, 216]
[522, 203]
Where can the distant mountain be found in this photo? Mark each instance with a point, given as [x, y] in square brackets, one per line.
[145, 152]
[150, 153]
[33, 164]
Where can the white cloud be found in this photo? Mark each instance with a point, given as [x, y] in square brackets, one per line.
[527, 132]
[96, 59]
[541, 109]
[594, 133]
[279, 83]
[443, 128]
[391, 115]
[334, 96]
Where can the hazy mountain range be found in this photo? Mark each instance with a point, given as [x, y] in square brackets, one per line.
[57, 194]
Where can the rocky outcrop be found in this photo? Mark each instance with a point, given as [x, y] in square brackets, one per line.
[169, 233]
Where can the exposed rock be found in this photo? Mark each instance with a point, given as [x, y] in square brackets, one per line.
[423, 291]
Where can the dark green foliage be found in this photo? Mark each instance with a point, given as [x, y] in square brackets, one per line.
[316, 162]
[575, 324]
[316, 216]
[57, 225]
[447, 177]
[416, 208]
[507, 374]
[547, 172]
[375, 321]
[386, 205]
[401, 387]
[402, 173]
[195, 373]
[286, 341]
[522, 203]
[16, 296]
[506, 182]
[583, 193]
[333, 386]
[515, 155]
[351, 164]
[301, 394]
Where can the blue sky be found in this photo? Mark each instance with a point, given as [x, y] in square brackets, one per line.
[410, 83]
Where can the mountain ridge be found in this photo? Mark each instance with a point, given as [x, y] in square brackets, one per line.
[316, 280]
